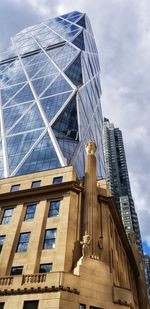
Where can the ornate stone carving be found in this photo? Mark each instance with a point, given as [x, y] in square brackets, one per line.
[85, 243]
[132, 237]
[90, 148]
[100, 242]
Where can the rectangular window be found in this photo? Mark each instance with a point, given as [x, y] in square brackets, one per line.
[54, 208]
[7, 215]
[23, 242]
[57, 180]
[2, 305]
[49, 240]
[32, 304]
[91, 307]
[45, 268]
[16, 270]
[82, 306]
[36, 184]
[30, 211]
[2, 238]
[15, 188]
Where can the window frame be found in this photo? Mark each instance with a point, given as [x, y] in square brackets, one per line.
[56, 180]
[16, 267]
[50, 239]
[36, 182]
[15, 186]
[2, 244]
[54, 212]
[51, 266]
[8, 216]
[23, 242]
[30, 302]
[28, 213]
[82, 306]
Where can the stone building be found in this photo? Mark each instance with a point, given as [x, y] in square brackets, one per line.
[63, 244]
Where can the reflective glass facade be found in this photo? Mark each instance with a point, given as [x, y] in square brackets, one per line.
[50, 97]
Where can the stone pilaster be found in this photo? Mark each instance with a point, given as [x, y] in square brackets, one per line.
[90, 214]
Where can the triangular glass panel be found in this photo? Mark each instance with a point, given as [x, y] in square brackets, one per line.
[79, 163]
[9, 92]
[63, 61]
[58, 86]
[81, 22]
[79, 41]
[34, 68]
[67, 125]
[67, 15]
[51, 105]
[12, 114]
[48, 69]
[43, 157]
[19, 145]
[74, 72]
[67, 146]
[34, 58]
[22, 96]
[41, 84]
[30, 121]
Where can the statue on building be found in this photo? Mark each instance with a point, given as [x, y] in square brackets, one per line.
[90, 148]
[100, 242]
[85, 243]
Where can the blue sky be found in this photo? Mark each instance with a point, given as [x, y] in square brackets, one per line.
[122, 33]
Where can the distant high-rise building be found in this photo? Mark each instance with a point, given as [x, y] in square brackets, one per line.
[50, 97]
[118, 178]
[147, 273]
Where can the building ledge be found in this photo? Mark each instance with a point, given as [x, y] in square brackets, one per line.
[39, 283]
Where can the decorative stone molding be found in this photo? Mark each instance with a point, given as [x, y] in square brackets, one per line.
[34, 290]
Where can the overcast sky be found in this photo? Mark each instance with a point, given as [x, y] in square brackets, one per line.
[122, 33]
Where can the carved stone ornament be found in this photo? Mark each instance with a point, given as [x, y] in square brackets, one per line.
[132, 237]
[90, 148]
[100, 242]
[85, 243]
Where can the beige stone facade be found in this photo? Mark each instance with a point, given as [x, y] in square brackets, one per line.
[92, 263]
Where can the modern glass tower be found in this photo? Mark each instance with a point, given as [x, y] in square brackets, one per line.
[118, 178]
[50, 97]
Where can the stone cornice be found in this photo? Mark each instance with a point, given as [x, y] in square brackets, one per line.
[39, 193]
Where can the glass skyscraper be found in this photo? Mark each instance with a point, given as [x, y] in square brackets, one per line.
[118, 178]
[50, 97]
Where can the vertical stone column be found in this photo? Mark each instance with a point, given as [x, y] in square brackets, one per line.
[90, 213]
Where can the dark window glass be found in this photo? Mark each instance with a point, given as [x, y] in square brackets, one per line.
[2, 305]
[36, 184]
[49, 240]
[30, 212]
[91, 307]
[57, 180]
[23, 242]
[2, 238]
[45, 268]
[82, 306]
[54, 208]
[7, 215]
[15, 188]
[33, 304]
[16, 270]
